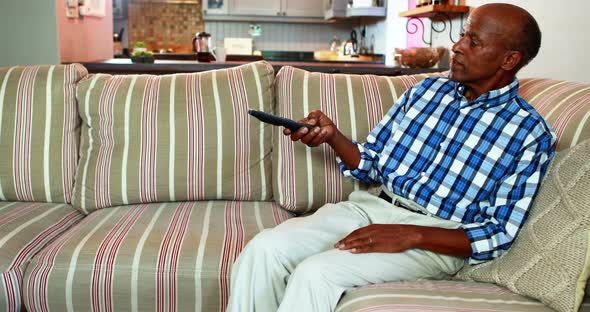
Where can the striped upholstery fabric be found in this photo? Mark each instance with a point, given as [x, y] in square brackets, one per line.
[38, 132]
[148, 257]
[174, 138]
[564, 104]
[425, 295]
[309, 177]
[25, 228]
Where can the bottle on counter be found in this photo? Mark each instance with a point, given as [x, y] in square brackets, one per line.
[117, 43]
[334, 44]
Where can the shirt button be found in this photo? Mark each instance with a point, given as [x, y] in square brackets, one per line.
[423, 174]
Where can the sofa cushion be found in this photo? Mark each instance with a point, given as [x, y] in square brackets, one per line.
[38, 132]
[176, 137]
[356, 103]
[25, 228]
[427, 295]
[565, 106]
[550, 258]
[165, 257]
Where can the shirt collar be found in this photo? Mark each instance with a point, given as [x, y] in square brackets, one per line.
[491, 98]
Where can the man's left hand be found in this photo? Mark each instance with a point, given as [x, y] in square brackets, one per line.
[381, 238]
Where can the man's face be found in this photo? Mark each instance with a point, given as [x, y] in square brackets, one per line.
[479, 54]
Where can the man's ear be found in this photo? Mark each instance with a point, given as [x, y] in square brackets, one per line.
[512, 60]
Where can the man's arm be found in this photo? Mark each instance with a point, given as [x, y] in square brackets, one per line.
[480, 241]
[401, 237]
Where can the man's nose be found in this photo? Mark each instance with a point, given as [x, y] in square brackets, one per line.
[458, 46]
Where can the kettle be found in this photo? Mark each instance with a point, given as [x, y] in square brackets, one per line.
[350, 46]
[202, 46]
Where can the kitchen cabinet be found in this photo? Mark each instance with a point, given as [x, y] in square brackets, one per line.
[272, 10]
[215, 7]
[304, 8]
[340, 9]
[256, 7]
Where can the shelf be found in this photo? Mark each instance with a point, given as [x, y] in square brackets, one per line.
[432, 10]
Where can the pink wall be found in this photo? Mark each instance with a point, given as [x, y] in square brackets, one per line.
[415, 40]
[86, 39]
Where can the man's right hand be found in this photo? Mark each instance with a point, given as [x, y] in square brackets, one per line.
[323, 132]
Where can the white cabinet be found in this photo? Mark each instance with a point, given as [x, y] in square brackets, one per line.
[256, 7]
[303, 8]
[215, 7]
[283, 9]
[334, 9]
[338, 9]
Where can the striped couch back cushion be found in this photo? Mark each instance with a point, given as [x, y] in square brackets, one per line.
[179, 137]
[38, 132]
[564, 104]
[307, 178]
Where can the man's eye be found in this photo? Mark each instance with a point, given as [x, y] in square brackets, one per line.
[462, 34]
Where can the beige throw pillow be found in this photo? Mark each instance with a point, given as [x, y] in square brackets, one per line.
[180, 137]
[549, 260]
[307, 178]
[39, 132]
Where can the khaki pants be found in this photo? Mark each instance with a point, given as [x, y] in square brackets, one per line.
[295, 267]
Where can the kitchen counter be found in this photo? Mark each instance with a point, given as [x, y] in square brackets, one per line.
[160, 67]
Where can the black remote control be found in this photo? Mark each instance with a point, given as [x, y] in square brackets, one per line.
[278, 121]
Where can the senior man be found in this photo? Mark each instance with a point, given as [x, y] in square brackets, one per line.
[460, 160]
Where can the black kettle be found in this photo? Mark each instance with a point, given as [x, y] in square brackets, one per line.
[350, 46]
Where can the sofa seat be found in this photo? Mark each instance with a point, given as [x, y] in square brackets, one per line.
[25, 228]
[159, 256]
[428, 295]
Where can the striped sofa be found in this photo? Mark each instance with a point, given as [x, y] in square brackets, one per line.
[138, 192]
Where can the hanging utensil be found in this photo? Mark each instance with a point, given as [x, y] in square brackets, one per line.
[363, 49]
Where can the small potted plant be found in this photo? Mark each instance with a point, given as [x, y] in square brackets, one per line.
[139, 46]
[142, 57]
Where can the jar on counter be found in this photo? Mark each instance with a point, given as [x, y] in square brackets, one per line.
[423, 2]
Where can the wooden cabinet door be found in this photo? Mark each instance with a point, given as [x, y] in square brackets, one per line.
[256, 7]
[303, 8]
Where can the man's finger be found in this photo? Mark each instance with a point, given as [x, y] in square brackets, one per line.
[363, 249]
[353, 242]
[319, 139]
[310, 136]
[297, 135]
[310, 121]
[361, 232]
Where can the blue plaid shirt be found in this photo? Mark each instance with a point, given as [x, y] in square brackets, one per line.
[479, 163]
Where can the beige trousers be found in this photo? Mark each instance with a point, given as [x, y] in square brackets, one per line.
[295, 267]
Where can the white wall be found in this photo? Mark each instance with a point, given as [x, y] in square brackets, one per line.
[565, 44]
[390, 33]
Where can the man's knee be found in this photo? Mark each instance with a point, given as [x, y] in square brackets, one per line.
[315, 269]
[268, 242]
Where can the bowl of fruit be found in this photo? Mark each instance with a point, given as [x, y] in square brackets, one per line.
[419, 57]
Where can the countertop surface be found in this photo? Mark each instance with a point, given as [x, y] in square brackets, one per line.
[125, 66]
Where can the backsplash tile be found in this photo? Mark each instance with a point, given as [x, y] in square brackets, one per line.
[282, 36]
[164, 25]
